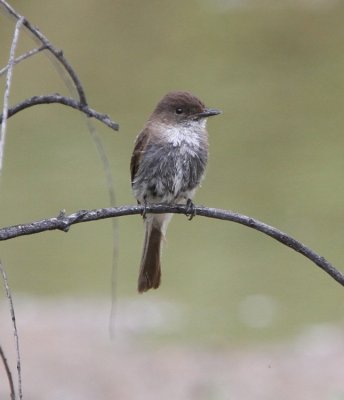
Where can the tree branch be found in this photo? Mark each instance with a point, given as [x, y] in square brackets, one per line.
[15, 330]
[23, 57]
[64, 222]
[80, 105]
[7, 88]
[56, 52]
[67, 101]
[8, 373]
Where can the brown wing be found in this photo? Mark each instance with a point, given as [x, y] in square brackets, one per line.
[140, 145]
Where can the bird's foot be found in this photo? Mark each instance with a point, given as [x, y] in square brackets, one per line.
[190, 209]
[144, 211]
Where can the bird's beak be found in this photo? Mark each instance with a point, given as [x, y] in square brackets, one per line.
[209, 112]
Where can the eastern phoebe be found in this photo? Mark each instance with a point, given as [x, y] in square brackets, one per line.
[167, 166]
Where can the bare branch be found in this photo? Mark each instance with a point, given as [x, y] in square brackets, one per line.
[15, 331]
[81, 105]
[67, 101]
[23, 57]
[8, 373]
[56, 52]
[115, 230]
[62, 65]
[64, 222]
[8, 88]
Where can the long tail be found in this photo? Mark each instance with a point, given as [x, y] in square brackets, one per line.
[150, 267]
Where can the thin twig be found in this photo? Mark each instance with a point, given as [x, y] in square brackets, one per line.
[64, 222]
[67, 101]
[115, 233]
[8, 373]
[8, 88]
[62, 65]
[56, 52]
[23, 57]
[15, 330]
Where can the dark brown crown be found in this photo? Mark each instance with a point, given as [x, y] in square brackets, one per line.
[185, 101]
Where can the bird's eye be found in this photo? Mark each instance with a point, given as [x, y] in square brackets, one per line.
[179, 110]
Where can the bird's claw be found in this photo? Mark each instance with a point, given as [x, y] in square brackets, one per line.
[190, 209]
[144, 211]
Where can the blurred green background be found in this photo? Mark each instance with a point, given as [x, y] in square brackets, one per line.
[276, 154]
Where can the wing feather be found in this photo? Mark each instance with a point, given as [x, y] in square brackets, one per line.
[139, 149]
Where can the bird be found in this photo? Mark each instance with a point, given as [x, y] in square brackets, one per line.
[167, 166]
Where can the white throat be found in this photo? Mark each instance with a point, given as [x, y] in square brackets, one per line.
[191, 134]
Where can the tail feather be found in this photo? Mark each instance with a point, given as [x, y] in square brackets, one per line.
[150, 269]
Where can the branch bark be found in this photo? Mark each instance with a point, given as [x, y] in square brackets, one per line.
[64, 222]
[67, 101]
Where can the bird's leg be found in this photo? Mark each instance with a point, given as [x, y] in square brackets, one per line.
[144, 211]
[190, 209]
